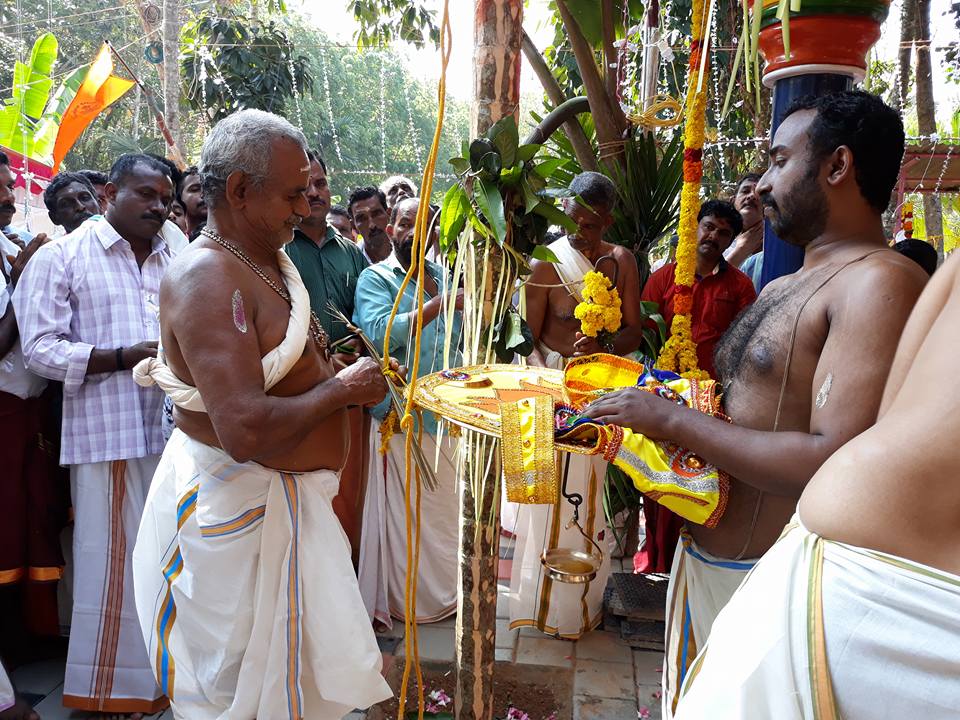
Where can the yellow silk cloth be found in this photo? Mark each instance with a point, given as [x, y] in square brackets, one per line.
[527, 451]
[672, 476]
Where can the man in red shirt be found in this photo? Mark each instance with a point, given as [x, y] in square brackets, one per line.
[720, 292]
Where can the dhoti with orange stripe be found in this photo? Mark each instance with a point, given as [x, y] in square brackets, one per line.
[700, 585]
[107, 665]
[247, 595]
[821, 630]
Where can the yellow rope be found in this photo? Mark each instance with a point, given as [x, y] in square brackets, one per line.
[418, 253]
[650, 118]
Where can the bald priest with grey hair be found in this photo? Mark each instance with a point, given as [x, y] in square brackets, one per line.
[245, 589]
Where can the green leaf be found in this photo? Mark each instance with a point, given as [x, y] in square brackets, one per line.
[512, 336]
[460, 165]
[490, 202]
[542, 252]
[512, 176]
[555, 216]
[491, 164]
[527, 152]
[453, 216]
[478, 149]
[530, 199]
[506, 139]
[548, 167]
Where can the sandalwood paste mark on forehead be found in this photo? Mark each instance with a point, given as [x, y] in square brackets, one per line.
[239, 316]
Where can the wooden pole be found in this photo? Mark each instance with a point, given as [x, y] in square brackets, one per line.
[497, 39]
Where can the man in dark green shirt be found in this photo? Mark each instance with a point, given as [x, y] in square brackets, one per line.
[328, 264]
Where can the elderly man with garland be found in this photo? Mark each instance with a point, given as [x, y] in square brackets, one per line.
[802, 368]
[552, 296]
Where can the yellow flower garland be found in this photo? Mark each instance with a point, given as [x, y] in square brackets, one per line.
[600, 310]
[679, 354]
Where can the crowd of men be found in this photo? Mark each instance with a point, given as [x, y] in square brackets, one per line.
[175, 377]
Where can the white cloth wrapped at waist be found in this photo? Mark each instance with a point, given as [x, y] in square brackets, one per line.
[276, 363]
[820, 630]
[247, 598]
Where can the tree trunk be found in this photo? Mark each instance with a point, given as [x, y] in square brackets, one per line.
[908, 17]
[498, 26]
[171, 70]
[608, 117]
[927, 119]
[574, 131]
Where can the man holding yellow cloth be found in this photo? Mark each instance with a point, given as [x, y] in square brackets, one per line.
[801, 367]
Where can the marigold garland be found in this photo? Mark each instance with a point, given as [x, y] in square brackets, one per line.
[679, 354]
[599, 312]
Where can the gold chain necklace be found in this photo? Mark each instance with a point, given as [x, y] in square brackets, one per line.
[316, 329]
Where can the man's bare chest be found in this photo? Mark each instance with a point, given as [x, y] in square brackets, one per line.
[780, 337]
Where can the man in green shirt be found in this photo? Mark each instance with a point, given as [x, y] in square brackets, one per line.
[330, 266]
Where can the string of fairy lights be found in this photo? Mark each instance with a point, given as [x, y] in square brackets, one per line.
[946, 146]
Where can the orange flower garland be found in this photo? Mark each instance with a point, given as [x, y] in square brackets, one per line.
[679, 354]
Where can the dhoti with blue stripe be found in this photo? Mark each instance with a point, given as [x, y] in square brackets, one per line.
[246, 593]
[700, 586]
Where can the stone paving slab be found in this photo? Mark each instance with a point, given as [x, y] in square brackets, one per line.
[593, 708]
[603, 646]
[545, 651]
[604, 679]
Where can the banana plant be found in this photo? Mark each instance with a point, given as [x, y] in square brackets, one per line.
[30, 118]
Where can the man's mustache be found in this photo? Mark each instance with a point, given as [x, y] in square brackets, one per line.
[155, 217]
[768, 201]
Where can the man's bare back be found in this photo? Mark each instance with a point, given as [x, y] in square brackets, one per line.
[893, 488]
[844, 344]
[210, 274]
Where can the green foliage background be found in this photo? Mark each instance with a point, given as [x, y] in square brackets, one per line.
[354, 101]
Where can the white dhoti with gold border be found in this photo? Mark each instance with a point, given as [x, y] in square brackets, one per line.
[820, 630]
[700, 586]
[564, 609]
[107, 666]
[247, 595]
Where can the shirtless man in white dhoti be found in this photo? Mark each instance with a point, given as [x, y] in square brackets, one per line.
[553, 293]
[853, 613]
[802, 367]
[245, 589]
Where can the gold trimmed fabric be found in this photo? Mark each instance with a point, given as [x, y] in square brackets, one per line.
[821, 630]
[526, 447]
[252, 563]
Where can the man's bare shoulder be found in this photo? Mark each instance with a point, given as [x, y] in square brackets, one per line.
[543, 271]
[886, 275]
[198, 267]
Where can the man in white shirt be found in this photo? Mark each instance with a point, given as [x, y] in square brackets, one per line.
[87, 307]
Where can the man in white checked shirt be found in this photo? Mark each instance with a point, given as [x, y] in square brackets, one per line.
[87, 310]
